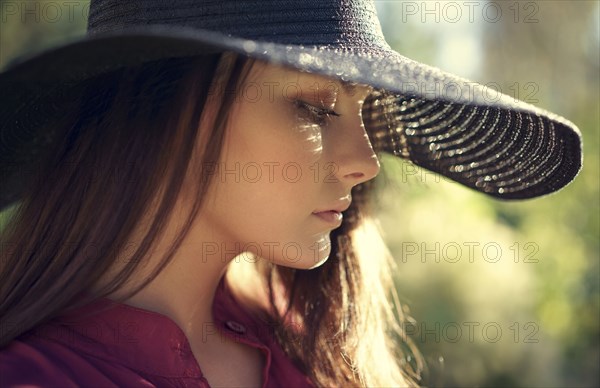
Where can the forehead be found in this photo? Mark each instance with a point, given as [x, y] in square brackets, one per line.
[264, 73]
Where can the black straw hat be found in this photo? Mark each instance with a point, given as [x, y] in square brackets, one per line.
[497, 145]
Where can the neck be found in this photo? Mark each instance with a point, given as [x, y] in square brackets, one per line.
[184, 290]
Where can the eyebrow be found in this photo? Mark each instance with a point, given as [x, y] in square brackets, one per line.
[350, 87]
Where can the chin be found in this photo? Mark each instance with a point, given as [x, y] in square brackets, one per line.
[307, 255]
[305, 263]
[319, 263]
[312, 262]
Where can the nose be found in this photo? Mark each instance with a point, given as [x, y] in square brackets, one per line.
[353, 154]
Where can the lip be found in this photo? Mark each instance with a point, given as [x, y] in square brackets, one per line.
[332, 217]
[333, 213]
[339, 206]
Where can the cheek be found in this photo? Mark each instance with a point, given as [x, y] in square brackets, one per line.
[266, 190]
[273, 221]
[310, 139]
[275, 129]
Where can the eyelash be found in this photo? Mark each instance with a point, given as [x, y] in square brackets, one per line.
[317, 115]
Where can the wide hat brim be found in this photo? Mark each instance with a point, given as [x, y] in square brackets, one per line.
[471, 134]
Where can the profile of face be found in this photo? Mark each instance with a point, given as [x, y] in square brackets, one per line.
[294, 147]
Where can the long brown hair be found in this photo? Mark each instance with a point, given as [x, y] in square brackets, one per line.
[95, 187]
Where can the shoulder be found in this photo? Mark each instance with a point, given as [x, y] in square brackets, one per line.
[39, 362]
[22, 362]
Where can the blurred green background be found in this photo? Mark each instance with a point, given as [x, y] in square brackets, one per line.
[500, 293]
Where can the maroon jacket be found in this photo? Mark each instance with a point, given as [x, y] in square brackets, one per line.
[130, 347]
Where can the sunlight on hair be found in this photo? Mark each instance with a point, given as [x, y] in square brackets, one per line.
[377, 279]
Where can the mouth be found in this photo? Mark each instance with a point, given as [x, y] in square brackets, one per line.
[333, 213]
[332, 217]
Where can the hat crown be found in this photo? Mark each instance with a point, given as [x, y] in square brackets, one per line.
[332, 23]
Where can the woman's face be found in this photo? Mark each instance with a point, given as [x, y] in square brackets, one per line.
[287, 168]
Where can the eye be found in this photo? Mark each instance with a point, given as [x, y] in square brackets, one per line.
[316, 115]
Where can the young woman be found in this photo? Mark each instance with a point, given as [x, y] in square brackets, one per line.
[193, 208]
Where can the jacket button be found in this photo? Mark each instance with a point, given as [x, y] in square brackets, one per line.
[235, 327]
